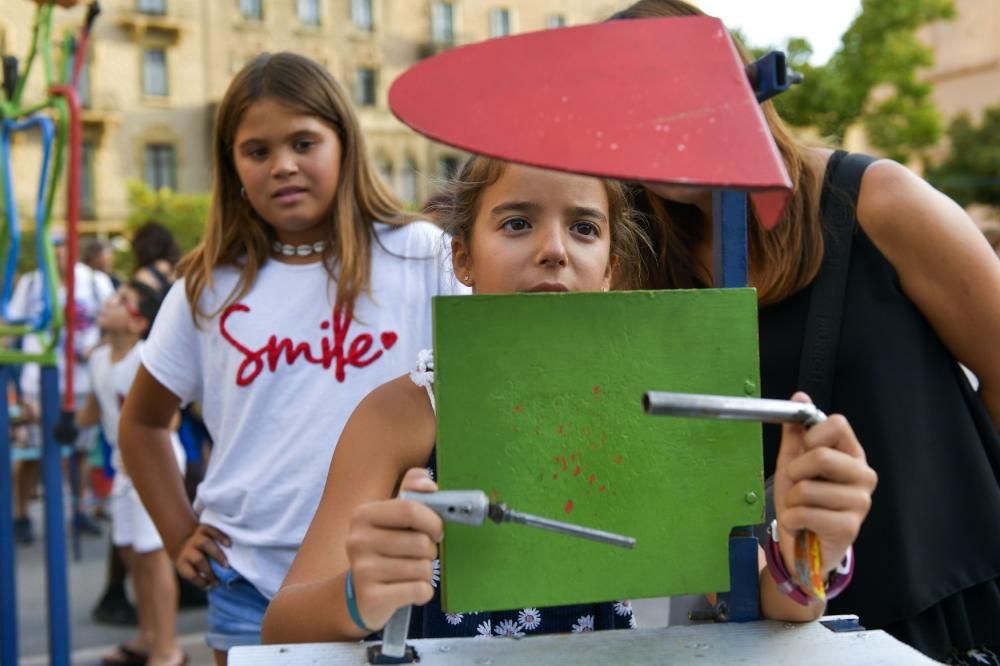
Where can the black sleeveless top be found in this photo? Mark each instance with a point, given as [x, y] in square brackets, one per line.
[928, 555]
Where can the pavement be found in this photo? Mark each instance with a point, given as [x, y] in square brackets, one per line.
[86, 582]
[92, 640]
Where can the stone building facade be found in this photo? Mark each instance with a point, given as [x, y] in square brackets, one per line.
[158, 68]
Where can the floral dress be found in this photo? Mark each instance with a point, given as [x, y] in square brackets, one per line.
[430, 621]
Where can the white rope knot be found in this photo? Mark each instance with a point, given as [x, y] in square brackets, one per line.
[423, 375]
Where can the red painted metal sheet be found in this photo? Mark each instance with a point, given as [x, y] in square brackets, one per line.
[646, 100]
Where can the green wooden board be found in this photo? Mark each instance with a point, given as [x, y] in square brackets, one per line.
[539, 404]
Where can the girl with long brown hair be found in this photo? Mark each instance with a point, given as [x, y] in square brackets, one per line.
[310, 288]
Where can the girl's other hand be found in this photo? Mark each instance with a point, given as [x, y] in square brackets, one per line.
[193, 560]
[392, 546]
[822, 483]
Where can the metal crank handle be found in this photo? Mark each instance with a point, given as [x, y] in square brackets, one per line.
[469, 507]
[660, 403]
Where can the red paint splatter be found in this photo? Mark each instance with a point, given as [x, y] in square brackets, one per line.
[555, 476]
[518, 409]
[618, 460]
[565, 465]
[592, 478]
[576, 471]
[513, 428]
[560, 430]
[593, 447]
[572, 457]
[597, 392]
[602, 488]
[569, 506]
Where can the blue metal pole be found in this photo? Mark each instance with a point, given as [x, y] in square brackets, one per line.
[731, 270]
[729, 238]
[55, 540]
[8, 575]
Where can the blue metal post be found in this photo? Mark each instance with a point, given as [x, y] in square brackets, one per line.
[729, 238]
[55, 540]
[731, 270]
[8, 575]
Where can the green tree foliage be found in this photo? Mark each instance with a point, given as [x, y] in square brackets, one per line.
[872, 78]
[184, 214]
[971, 172]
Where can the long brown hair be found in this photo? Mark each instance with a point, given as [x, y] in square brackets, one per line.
[783, 260]
[457, 208]
[237, 236]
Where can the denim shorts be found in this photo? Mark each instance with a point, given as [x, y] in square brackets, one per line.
[235, 611]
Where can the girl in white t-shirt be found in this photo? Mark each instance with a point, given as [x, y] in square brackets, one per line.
[310, 288]
[514, 229]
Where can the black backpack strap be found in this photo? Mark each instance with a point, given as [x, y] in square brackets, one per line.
[838, 211]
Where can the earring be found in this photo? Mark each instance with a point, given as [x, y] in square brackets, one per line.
[243, 192]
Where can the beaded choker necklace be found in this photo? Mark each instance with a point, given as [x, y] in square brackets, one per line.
[304, 250]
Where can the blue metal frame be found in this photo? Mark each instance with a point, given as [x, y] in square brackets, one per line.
[729, 238]
[55, 544]
[8, 561]
[46, 126]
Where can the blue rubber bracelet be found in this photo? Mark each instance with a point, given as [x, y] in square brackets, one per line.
[352, 605]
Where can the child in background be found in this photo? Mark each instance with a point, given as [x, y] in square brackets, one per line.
[311, 288]
[515, 229]
[126, 319]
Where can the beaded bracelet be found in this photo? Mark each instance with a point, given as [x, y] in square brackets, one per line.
[352, 605]
[839, 577]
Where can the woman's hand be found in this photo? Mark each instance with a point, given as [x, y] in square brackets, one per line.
[392, 546]
[822, 483]
[192, 561]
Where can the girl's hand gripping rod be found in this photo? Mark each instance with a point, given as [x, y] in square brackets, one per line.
[473, 507]
[808, 557]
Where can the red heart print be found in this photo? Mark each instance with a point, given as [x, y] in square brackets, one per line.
[389, 339]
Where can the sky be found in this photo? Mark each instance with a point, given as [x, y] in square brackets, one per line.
[771, 22]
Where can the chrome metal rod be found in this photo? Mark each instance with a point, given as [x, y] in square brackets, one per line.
[661, 403]
[504, 515]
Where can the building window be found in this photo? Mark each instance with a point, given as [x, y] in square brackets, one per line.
[157, 7]
[408, 182]
[364, 86]
[309, 12]
[252, 10]
[499, 22]
[83, 86]
[442, 23]
[555, 21]
[384, 167]
[361, 14]
[88, 199]
[154, 72]
[447, 167]
[160, 166]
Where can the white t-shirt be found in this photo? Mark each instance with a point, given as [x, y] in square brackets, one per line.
[112, 381]
[91, 289]
[278, 374]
